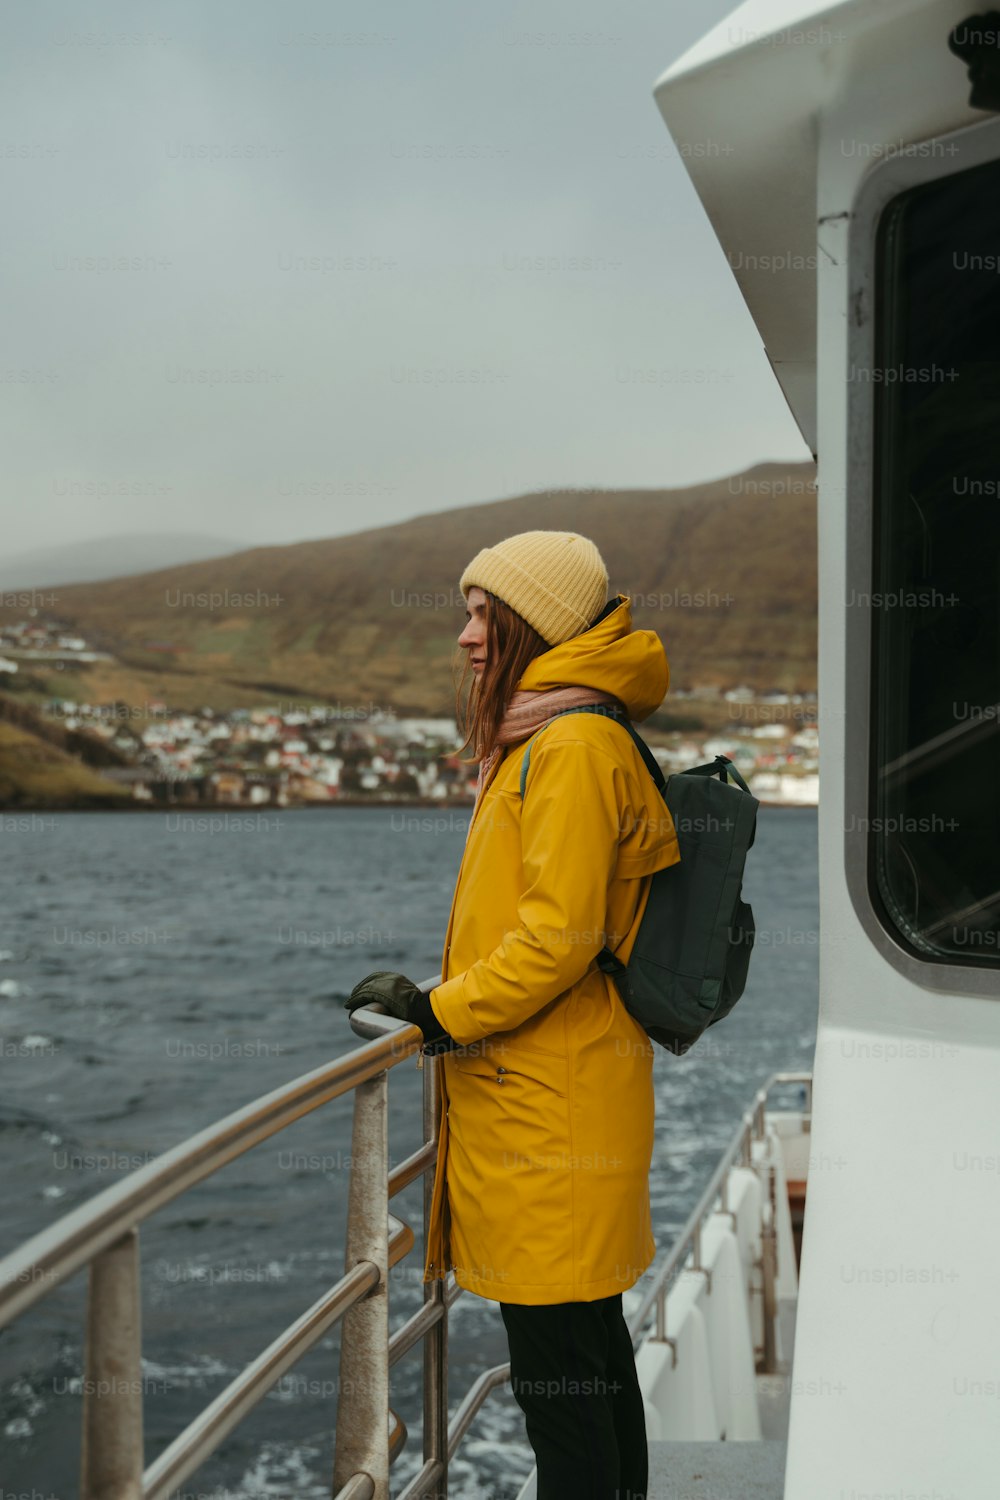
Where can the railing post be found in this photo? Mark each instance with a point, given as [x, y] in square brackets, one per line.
[436, 1340]
[362, 1436]
[660, 1336]
[696, 1257]
[769, 1267]
[111, 1447]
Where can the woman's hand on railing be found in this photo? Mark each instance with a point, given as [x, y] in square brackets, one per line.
[401, 998]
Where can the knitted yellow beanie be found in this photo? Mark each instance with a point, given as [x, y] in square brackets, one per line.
[556, 580]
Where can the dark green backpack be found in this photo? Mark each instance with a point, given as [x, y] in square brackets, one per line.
[688, 966]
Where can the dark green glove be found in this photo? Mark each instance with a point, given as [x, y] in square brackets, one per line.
[402, 999]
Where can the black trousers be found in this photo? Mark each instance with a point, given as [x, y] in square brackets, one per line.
[573, 1375]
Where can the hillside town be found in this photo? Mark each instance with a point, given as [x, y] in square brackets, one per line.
[296, 753]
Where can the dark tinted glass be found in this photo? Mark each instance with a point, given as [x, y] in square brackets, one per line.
[934, 833]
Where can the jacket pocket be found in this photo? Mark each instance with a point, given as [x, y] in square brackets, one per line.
[499, 1062]
[541, 1070]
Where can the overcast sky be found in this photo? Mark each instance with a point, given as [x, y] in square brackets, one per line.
[348, 205]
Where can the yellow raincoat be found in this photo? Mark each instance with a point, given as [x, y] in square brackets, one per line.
[541, 1190]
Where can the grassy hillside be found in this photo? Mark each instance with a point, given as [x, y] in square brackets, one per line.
[724, 572]
[35, 773]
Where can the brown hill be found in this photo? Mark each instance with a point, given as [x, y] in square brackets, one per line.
[725, 572]
[36, 773]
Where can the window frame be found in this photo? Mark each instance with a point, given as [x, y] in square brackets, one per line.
[971, 147]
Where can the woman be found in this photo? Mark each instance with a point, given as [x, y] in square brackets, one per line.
[541, 1198]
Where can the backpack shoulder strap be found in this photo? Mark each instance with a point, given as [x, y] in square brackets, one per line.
[606, 959]
[609, 712]
[525, 759]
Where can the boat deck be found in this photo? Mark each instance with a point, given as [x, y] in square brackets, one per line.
[717, 1471]
[733, 1471]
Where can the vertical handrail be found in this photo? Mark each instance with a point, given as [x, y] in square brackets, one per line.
[361, 1443]
[111, 1445]
[769, 1269]
[436, 1339]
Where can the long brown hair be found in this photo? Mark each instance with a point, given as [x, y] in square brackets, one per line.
[511, 643]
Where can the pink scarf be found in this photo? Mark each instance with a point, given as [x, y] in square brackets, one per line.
[526, 712]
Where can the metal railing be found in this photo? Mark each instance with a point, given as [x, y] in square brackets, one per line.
[688, 1242]
[103, 1234]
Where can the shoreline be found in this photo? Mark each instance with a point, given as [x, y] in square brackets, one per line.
[215, 809]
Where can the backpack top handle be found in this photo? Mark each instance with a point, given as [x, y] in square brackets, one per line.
[721, 766]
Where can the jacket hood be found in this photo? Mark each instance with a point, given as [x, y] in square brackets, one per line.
[610, 656]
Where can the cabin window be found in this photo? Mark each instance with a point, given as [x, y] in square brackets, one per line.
[934, 798]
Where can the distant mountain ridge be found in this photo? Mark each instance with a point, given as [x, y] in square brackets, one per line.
[724, 571]
[107, 557]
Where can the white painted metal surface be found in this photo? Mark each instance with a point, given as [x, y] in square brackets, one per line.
[747, 107]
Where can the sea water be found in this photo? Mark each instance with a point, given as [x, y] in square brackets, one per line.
[159, 970]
